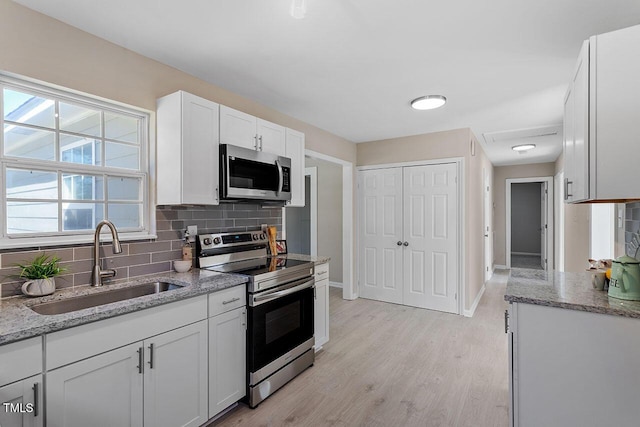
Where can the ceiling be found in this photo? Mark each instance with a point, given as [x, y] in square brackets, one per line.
[351, 67]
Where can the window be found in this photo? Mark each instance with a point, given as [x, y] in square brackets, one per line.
[68, 162]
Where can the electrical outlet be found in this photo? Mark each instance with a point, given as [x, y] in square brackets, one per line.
[263, 227]
[193, 232]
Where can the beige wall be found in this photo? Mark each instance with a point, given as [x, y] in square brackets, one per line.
[329, 214]
[438, 145]
[576, 231]
[43, 48]
[501, 174]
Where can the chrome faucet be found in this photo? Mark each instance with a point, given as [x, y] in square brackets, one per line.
[97, 273]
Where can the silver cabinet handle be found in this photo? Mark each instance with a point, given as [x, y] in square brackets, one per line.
[244, 318]
[405, 244]
[260, 138]
[506, 321]
[35, 399]
[255, 137]
[566, 189]
[230, 301]
[399, 243]
[151, 350]
[140, 360]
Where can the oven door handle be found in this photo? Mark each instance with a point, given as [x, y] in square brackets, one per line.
[265, 297]
[280, 177]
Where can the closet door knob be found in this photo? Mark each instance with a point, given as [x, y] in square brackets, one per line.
[406, 243]
[399, 243]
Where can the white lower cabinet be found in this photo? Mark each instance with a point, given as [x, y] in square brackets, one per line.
[321, 307]
[160, 381]
[101, 391]
[227, 359]
[572, 368]
[22, 403]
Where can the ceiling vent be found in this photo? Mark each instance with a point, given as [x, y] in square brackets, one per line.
[519, 134]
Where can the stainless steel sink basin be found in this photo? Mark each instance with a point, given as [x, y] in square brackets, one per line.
[93, 300]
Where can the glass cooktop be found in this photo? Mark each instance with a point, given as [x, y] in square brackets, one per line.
[256, 266]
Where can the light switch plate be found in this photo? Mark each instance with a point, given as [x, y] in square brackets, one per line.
[193, 232]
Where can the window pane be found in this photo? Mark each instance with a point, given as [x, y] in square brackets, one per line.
[121, 156]
[125, 216]
[122, 128]
[74, 118]
[81, 216]
[124, 188]
[31, 184]
[82, 187]
[25, 108]
[32, 217]
[26, 142]
[74, 149]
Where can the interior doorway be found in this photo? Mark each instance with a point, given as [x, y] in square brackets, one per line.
[529, 223]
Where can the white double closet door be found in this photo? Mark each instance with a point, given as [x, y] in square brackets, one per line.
[408, 236]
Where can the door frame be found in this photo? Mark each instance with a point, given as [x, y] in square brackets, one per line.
[550, 205]
[349, 288]
[487, 224]
[312, 172]
[459, 161]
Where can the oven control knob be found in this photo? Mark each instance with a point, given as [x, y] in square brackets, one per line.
[255, 237]
[262, 237]
[206, 241]
[216, 240]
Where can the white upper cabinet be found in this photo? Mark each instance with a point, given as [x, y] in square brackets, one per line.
[295, 151]
[601, 129]
[187, 150]
[245, 130]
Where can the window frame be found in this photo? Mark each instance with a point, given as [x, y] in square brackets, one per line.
[145, 171]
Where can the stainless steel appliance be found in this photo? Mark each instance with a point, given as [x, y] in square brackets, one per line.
[254, 175]
[280, 301]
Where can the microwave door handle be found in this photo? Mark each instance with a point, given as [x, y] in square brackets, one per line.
[280, 178]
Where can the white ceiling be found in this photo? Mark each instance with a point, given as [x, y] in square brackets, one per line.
[352, 66]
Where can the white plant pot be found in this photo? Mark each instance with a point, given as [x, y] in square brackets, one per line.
[39, 287]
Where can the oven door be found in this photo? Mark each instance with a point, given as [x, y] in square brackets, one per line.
[279, 321]
[250, 174]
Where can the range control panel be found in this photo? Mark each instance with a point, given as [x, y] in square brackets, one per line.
[210, 241]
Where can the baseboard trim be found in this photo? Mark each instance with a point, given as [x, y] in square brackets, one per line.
[499, 267]
[472, 310]
[335, 285]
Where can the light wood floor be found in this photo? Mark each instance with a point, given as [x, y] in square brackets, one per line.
[391, 365]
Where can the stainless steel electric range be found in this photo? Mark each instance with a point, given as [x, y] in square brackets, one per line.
[280, 303]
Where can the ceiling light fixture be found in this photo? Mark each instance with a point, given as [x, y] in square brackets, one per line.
[298, 8]
[428, 102]
[523, 147]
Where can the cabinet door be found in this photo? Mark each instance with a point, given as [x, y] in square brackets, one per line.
[200, 150]
[227, 359]
[175, 377]
[238, 128]
[321, 313]
[295, 151]
[102, 391]
[579, 188]
[22, 403]
[568, 146]
[271, 137]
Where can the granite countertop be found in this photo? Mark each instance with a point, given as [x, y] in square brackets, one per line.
[18, 322]
[300, 257]
[565, 290]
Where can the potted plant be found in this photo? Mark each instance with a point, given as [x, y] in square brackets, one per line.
[40, 273]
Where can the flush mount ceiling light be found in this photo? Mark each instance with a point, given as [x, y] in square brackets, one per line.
[298, 8]
[428, 102]
[523, 147]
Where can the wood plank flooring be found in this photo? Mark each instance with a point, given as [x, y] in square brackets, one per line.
[391, 365]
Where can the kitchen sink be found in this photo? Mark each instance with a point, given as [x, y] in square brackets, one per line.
[68, 305]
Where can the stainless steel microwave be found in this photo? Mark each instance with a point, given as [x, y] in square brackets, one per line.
[254, 175]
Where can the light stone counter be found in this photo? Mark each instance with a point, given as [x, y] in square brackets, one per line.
[565, 290]
[18, 321]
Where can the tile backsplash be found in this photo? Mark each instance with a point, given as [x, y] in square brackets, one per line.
[142, 257]
[631, 224]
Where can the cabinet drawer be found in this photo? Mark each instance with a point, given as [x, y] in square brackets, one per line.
[228, 299]
[20, 360]
[322, 271]
[80, 342]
